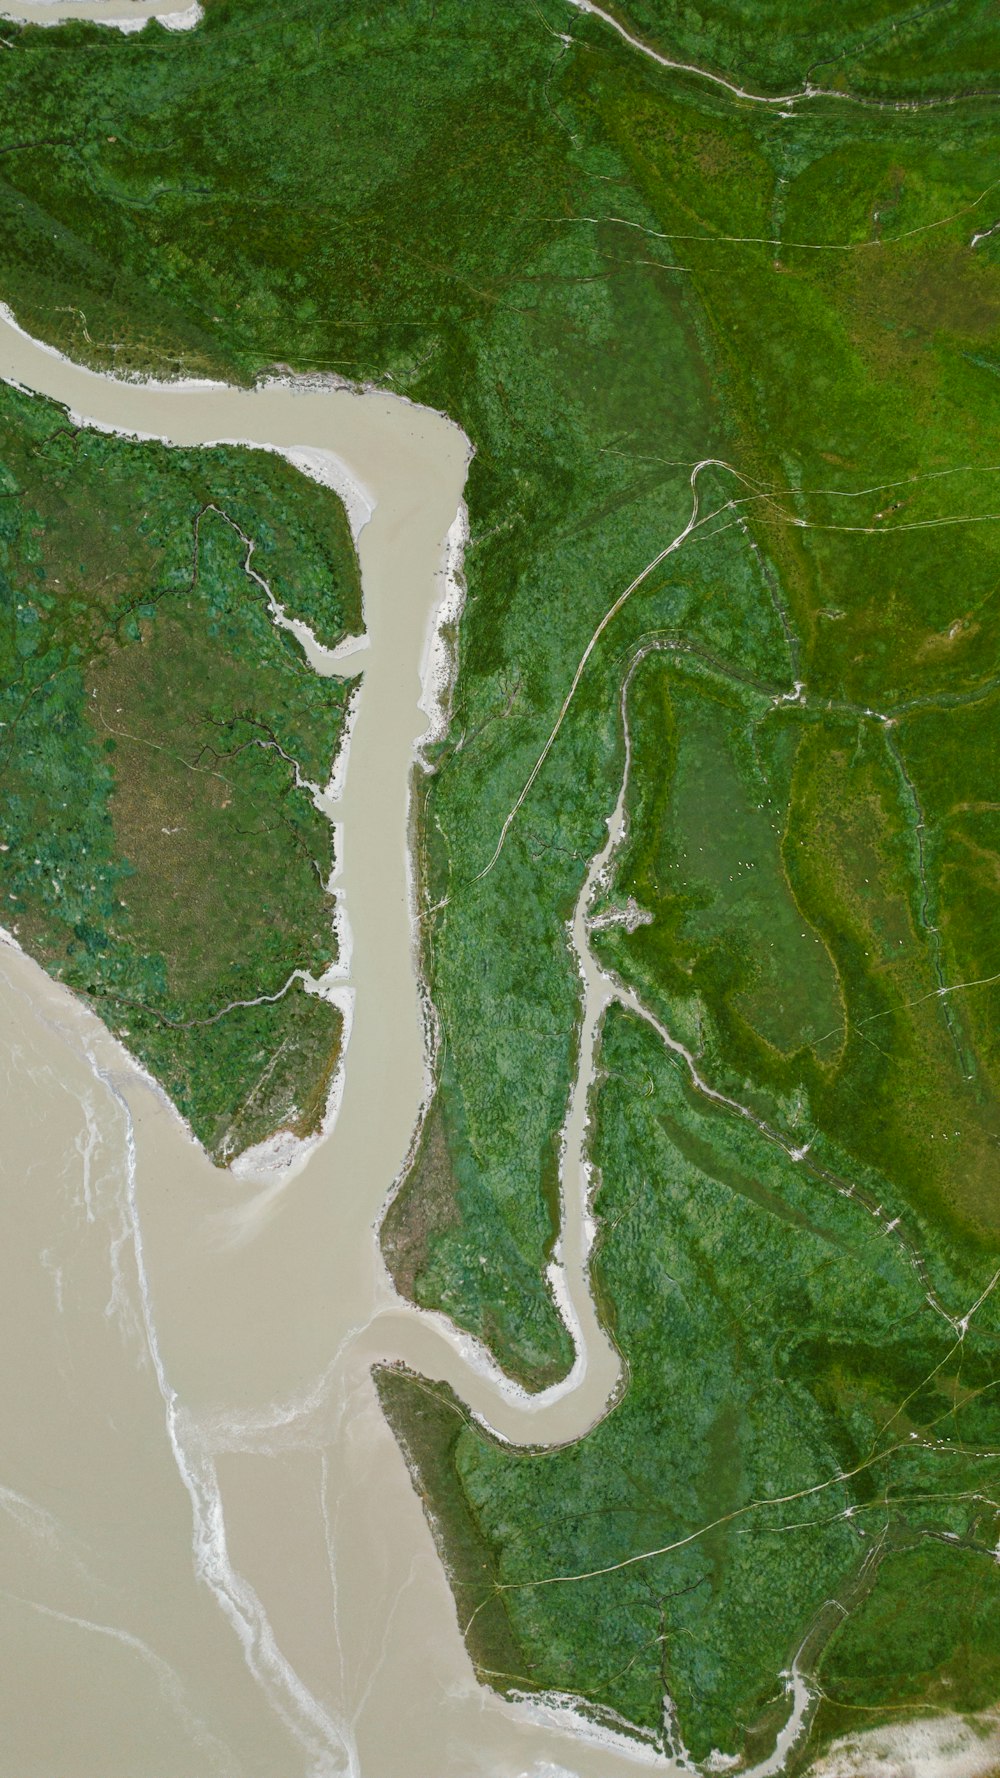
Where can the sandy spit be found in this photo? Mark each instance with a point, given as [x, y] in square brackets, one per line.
[939, 1747]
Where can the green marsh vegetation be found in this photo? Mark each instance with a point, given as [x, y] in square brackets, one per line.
[607, 272]
[161, 854]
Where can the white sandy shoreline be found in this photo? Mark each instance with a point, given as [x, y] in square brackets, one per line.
[107, 13]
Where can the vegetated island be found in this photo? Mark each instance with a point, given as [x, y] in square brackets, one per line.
[161, 850]
[609, 267]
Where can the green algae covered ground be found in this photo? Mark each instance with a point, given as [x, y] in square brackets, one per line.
[609, 271]
[158, 855]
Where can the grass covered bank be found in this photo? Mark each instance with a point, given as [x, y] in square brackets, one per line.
[159, 856]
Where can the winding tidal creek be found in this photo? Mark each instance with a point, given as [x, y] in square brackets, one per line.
[213, 1561]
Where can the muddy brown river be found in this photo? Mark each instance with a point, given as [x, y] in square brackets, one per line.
[214, 1561]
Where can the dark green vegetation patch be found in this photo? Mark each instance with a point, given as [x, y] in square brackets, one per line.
[607, 272]
[161, 852]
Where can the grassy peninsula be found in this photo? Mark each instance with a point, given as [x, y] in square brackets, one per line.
[609, 271]
[161, 850]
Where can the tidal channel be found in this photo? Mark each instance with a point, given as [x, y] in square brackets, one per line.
[213, 1560]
